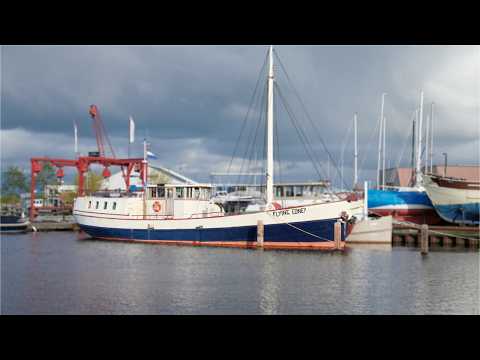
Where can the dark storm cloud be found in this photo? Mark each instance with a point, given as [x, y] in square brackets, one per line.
[191, 100]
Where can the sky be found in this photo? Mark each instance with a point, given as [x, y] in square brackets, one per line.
[190, 102]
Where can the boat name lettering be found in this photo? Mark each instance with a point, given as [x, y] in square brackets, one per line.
[289, 212]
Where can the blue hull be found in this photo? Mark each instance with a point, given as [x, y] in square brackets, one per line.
[273, 233]
[385, 198]
[460, 213]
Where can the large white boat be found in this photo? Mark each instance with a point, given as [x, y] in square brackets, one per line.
[185, 214]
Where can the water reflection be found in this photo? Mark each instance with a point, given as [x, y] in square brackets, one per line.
[55, 273]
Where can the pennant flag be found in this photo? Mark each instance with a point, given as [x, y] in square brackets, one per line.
[132, 130]
[151, 155]
[75, 130]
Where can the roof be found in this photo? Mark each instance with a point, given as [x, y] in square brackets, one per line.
[401, 176]
[174, 174]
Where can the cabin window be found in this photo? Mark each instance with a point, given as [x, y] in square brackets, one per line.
[179, 193]
[298, 191]
[189, 193]
[196, 194]
[161, 192]
[89, 204]
[169, 193]
[153, 193]
[105, 204]
[289, 191]
[96, 205]
[279, 191]
[114, 206]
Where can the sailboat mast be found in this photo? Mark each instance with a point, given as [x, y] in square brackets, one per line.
[418, 176]
[431, 138]
[355, 172]
[427, 143]
[383, 152]
[269, 175]
[380, 141]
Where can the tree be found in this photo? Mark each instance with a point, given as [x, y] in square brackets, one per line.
[46, 177]
[68, 197]
[14, 181]
[92, 181]
[156, 177]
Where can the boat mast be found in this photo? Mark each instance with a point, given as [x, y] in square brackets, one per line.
[269, 194]
[427, 145]
[380, 141]
[383, 152]
[431, 138]
[412, 176]
[418, 177]
[355, 172]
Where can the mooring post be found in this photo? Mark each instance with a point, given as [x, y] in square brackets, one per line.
[260, 233]
[337, 234]
[424, 239]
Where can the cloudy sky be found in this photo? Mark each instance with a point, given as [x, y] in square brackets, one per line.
[191, 101]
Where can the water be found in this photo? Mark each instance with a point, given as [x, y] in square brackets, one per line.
[58, 273]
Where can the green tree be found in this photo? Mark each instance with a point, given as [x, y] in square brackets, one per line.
[14, 181]
[92, 181]
[68, 197]
[156, 177]
[46, 177]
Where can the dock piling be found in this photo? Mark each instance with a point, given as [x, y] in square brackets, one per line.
[424, 239]
[337, 234]
[260, 233]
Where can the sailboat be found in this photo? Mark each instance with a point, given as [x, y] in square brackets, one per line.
[407, 204]
[185, 214]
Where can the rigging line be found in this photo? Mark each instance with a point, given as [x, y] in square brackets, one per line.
[251, 141]
[299, 132]
[306, 113]
[370, 142]
[406, 142]
[304, 140]
[342, 154]
[248, 113]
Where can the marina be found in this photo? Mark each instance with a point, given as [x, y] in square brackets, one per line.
[178, 223]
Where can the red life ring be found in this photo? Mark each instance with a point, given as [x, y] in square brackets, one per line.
[156, 206]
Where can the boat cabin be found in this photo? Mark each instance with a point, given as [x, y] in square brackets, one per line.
[159, 201]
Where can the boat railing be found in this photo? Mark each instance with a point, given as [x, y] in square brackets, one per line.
[116, 194]
[206, 215]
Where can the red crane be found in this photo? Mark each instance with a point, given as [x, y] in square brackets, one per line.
[100, 132]
[82, 163]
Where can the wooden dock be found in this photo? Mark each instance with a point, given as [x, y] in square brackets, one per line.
[53, 226]
[411, 234]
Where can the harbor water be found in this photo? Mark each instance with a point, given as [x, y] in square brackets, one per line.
[62, 273]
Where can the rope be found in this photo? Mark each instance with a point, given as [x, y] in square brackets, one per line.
[301, 134]
[304, 231]
[248, 113]
[306, 113]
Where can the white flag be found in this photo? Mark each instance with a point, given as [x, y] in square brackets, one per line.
[132, 130]
[75, 130]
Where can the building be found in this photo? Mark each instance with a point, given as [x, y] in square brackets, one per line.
[402, 176]
[156, 175]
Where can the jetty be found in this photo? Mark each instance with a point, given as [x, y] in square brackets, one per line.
[424, 235]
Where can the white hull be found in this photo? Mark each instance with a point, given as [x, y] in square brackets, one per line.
[375, 231]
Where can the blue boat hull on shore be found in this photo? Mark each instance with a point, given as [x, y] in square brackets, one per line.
[411, 206]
